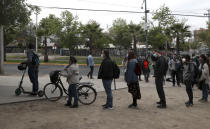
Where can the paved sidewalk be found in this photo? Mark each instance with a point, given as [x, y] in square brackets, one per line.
[8, 84]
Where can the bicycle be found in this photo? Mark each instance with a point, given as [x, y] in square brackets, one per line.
[53, 91]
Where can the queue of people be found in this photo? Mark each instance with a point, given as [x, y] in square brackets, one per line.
[186, 70]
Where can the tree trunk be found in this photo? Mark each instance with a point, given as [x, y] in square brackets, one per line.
[45, 50]
[69, 51]
[1, 50]
[5, 53]
[91, 45]
[134, 43]
[177, 45]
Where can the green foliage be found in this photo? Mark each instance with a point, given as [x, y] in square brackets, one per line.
[137, 33]
[184, 46]
[14, 12]
[156, 38]
[93, 35]
[205, 36]
[120, 34]
[49, 26]
[70, 34]
[180, 31]
[194, 45]
[164, 17]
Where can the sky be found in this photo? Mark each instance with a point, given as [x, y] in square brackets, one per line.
[105, 19]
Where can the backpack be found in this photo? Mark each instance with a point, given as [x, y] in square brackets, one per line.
[35, 59]
[116, 71]
[146, 64]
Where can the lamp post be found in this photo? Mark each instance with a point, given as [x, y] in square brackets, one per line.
[146, 26]
[2, 45]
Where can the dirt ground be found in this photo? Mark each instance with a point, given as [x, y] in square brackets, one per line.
[43, 114]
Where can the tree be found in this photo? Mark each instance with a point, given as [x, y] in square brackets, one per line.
[47, 27]
[157, 38]
[70, 35]
[180, 31]
[13, 13]
[164, 17]
[205, 36]
[137, 33]
[92, 32]
[120, 35]
[165, 20]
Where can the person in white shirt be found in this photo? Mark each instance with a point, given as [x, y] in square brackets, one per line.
[72, 74]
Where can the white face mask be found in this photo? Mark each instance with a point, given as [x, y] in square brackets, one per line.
[183, 60]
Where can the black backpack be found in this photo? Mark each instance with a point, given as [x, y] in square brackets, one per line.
[116, 71]
[35, 59]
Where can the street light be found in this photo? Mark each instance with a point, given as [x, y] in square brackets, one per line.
[146, 26]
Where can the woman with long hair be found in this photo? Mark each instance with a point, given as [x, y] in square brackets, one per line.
[132, 79]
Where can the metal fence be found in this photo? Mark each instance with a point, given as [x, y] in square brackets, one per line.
[76, 52]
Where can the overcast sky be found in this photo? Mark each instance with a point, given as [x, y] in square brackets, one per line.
[195, 7]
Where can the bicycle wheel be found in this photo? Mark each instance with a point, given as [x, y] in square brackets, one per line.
[53, 92]
[86, 94]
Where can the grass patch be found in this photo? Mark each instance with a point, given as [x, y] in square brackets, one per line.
[63, 60]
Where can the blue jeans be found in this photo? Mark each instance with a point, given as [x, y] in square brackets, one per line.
[107, 86]
[33, 76]
[72, 93]
[205, 91]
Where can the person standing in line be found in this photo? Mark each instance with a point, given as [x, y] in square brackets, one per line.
[146, 69]
[33, 69]
[132, 79]
[91, 65]
[188, 79]
[106, 73]
[204, 78]
[72, 74]
[140, 61]
[174, 67]
[160, 70]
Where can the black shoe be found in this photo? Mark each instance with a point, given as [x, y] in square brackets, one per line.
[158, 102]
[67, 104]
[91, 78]
[132, 106]
[74, 106]
[162, 106]
[107, 107]
[189, 104]
[33, 94]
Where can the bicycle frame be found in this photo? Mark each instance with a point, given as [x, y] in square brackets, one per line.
[78, 84]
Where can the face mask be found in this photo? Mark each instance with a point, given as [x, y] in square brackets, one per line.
[155, 55]
[183, 60]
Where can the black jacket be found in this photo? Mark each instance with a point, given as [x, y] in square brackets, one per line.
[161, 67]
[106, 69]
